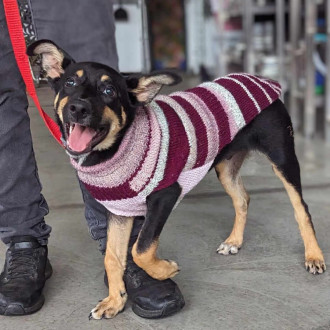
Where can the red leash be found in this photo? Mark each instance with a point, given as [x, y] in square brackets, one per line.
[18, 42]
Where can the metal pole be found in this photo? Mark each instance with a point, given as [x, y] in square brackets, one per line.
[145, 37]
[327, 91]
[280, 40]
[295, 26]
[310, 109]
[248, 19]
[222, 57]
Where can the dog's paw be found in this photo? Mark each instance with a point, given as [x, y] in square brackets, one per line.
[163, 269]
[108, 307]
[226, 248]
[315, 266]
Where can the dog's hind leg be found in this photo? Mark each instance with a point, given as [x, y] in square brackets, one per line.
[286, 167]
[115, 263]
[160, 205]
[279, 148]
[228, 174]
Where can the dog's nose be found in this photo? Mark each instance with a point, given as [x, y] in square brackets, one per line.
[79, 109]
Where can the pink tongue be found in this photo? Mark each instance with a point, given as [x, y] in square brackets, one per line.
[80, 137]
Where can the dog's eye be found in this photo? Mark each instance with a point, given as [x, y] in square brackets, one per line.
[70, 82]
[109, 91]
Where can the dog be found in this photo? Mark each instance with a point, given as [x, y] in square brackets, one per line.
[139, 154]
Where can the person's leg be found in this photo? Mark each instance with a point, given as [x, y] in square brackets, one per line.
[22, 206]
[84, 29]
[97, 218]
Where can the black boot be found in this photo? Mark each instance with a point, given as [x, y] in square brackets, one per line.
[151, 299]
[25, 271]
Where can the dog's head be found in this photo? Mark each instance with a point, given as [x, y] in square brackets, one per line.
[94, 104]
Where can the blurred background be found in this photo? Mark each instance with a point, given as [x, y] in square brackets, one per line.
[286, 40]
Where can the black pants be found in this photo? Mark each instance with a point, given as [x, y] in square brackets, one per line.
[85, 29]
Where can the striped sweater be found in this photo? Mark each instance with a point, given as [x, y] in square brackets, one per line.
[176, 138]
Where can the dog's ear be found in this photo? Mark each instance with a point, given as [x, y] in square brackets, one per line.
[54, 60]
[145, 87]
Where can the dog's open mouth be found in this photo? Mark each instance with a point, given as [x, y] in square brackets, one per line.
[81, 139]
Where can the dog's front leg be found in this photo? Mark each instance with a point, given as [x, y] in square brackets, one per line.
[115, 262]
[160, 205]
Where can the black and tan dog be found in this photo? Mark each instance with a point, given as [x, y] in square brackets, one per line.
[103, 102]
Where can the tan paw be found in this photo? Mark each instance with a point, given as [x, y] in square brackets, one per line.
[109, 307]
[315, 266]
[227, 248]
[163, 269]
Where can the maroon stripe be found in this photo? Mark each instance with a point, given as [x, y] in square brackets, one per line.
[257, 93]
[218, 111]
[144, 157]
[274, 96]
[200, 130]
[122, 191]
[246, 105]
[178, 150]
[273, 82]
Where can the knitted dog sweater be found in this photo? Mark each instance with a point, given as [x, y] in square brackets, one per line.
[176, 138]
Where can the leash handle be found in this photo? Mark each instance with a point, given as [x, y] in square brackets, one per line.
[19, 47]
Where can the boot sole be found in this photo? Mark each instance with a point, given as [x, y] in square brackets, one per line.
[168, 310]
[16, 309]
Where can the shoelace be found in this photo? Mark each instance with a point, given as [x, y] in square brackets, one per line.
[22, 264]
